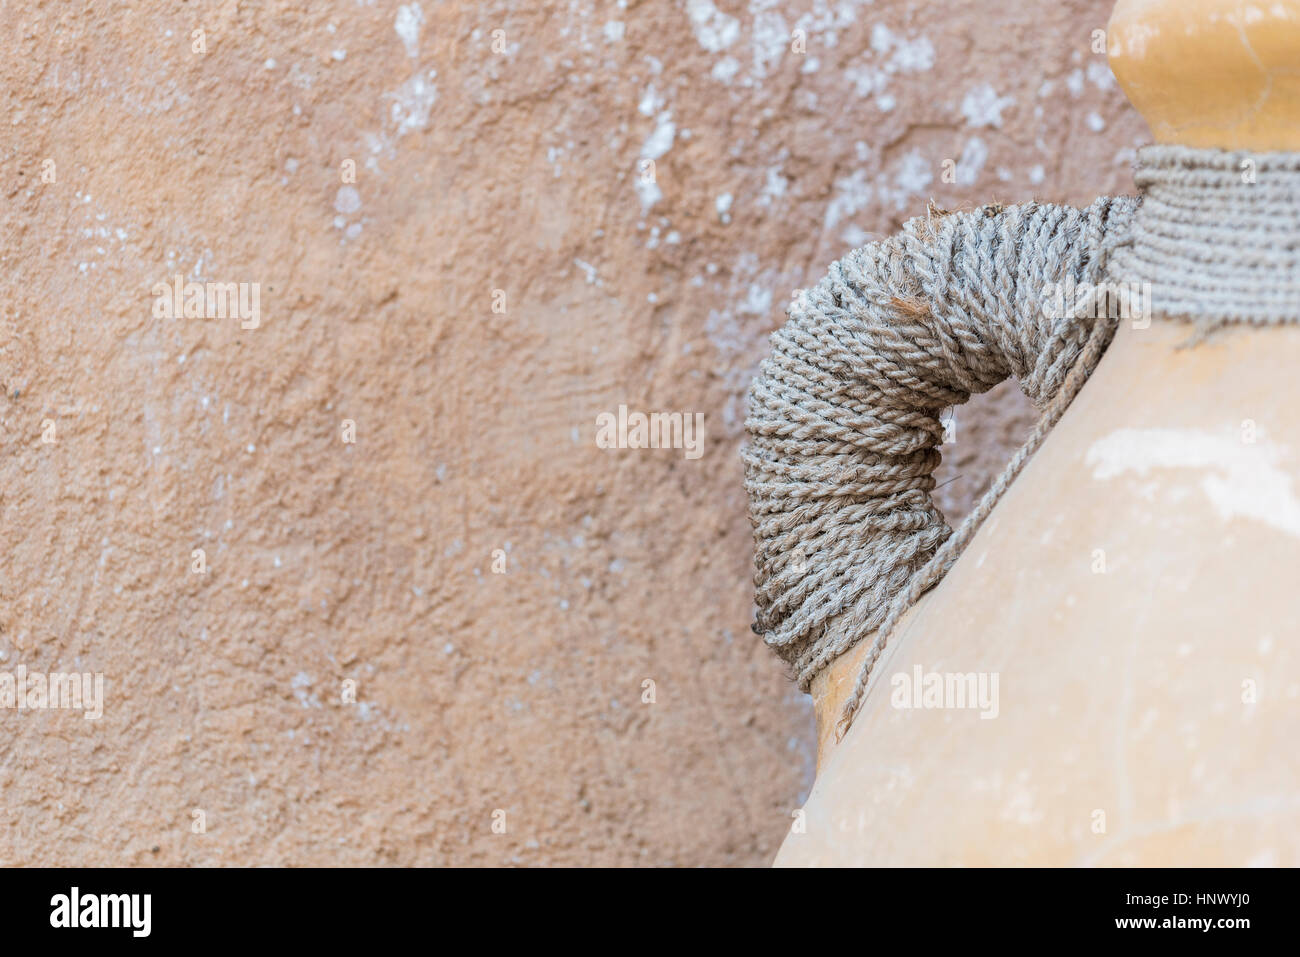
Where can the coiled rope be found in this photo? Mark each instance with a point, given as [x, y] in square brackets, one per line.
[1217, 236]
[844, 415]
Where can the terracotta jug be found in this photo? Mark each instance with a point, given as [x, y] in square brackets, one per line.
[1131, 606]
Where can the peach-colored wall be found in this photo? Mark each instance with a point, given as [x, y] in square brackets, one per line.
[513, 179]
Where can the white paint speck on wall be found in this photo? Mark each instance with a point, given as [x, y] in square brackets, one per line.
[347, 200]
[914, 173]
[971, 164]
[1100, 76]
[774, 187]
[412, 103]
[714, 29]
[852, 193]
[983, 107]
[660, 141]
[648, 192]
[723, 205]
[725, 70]
[770, 38]
[651, 101]
[407, 24]
[913, 55]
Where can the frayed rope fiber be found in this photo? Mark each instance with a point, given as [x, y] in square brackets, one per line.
[844, 415]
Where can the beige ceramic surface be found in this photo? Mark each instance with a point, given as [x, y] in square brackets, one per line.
[1212, 73]
[1133, 591]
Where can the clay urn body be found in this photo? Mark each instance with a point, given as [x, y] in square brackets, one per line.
[1121, 632]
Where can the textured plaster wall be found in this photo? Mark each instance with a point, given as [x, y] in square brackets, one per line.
[502, 169]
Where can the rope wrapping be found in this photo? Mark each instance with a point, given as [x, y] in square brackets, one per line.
[844, 414]
[1218, 236]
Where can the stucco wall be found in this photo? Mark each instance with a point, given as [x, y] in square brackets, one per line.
[505, 267]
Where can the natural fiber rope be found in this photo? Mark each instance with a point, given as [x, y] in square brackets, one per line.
[844, 415]
[1218, 235]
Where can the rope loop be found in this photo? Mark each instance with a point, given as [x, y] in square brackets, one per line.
[844, 416]
[844, 413]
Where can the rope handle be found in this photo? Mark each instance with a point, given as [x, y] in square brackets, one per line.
[844, 414]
